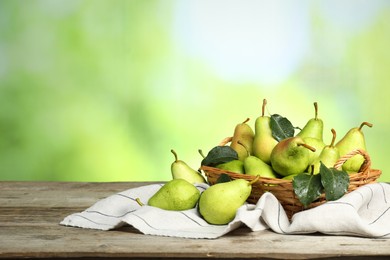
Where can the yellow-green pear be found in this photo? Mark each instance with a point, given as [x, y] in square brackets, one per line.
[263, 142]
[328, 156]
[289, 177]
[218, 204]
[255, 166]
[243, 134]
[314, 127]
[353, 139]
[181, 170]
[236, 166]
[177, 194]
[291, 156]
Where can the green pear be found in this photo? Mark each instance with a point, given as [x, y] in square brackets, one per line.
[218, 204]
[177, 194]
[328, 156]
[291, 156]
[181, 170]
[289, 177]
[263, 142]
[244, 134]
[353, 139]
[236, 166]
[314, 127]
[255, 166]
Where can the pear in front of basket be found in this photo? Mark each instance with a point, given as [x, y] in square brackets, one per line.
[177, 194]
[218, 203]
[181, 170]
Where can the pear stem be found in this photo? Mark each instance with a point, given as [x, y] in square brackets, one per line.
[246, 148]
[315, 110]
[246, 120]
[311, 148]
[254, 180]
[263, 107]
[175, 154]
[138, 200]
[201, 153]
[333, 137]
[365, 123]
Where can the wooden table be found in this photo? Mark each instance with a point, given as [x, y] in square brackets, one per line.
[30, 213]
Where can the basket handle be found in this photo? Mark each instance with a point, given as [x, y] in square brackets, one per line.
[225, 141]
[366, 164]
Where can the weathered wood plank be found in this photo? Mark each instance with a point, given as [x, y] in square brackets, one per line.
[58, 194]
[29, 228]
[64, 242]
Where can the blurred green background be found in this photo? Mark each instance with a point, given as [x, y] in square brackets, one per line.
[102, 90]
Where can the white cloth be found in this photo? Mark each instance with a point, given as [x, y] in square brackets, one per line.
[364, 212]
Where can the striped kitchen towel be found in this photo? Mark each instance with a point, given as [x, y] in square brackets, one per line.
[364, 212]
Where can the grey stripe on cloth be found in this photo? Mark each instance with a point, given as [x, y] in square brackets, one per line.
[364, 212]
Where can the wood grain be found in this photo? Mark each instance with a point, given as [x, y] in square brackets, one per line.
[30, 213]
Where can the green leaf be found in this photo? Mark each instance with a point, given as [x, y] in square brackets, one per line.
[281, 127]
[335, 182]
[307, 187]
[218, 155]
[223, 178]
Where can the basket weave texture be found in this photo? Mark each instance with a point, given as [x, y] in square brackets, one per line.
[283, 189]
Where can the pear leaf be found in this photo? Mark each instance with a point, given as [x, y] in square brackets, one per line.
[281, 127]
[335, 182]
[307, 187]
[223, 178]
[219, 154]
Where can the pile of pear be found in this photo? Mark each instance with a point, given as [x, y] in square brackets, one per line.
[259, 153]
[217, 204]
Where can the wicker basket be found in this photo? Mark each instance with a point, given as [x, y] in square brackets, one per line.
[283, 189]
